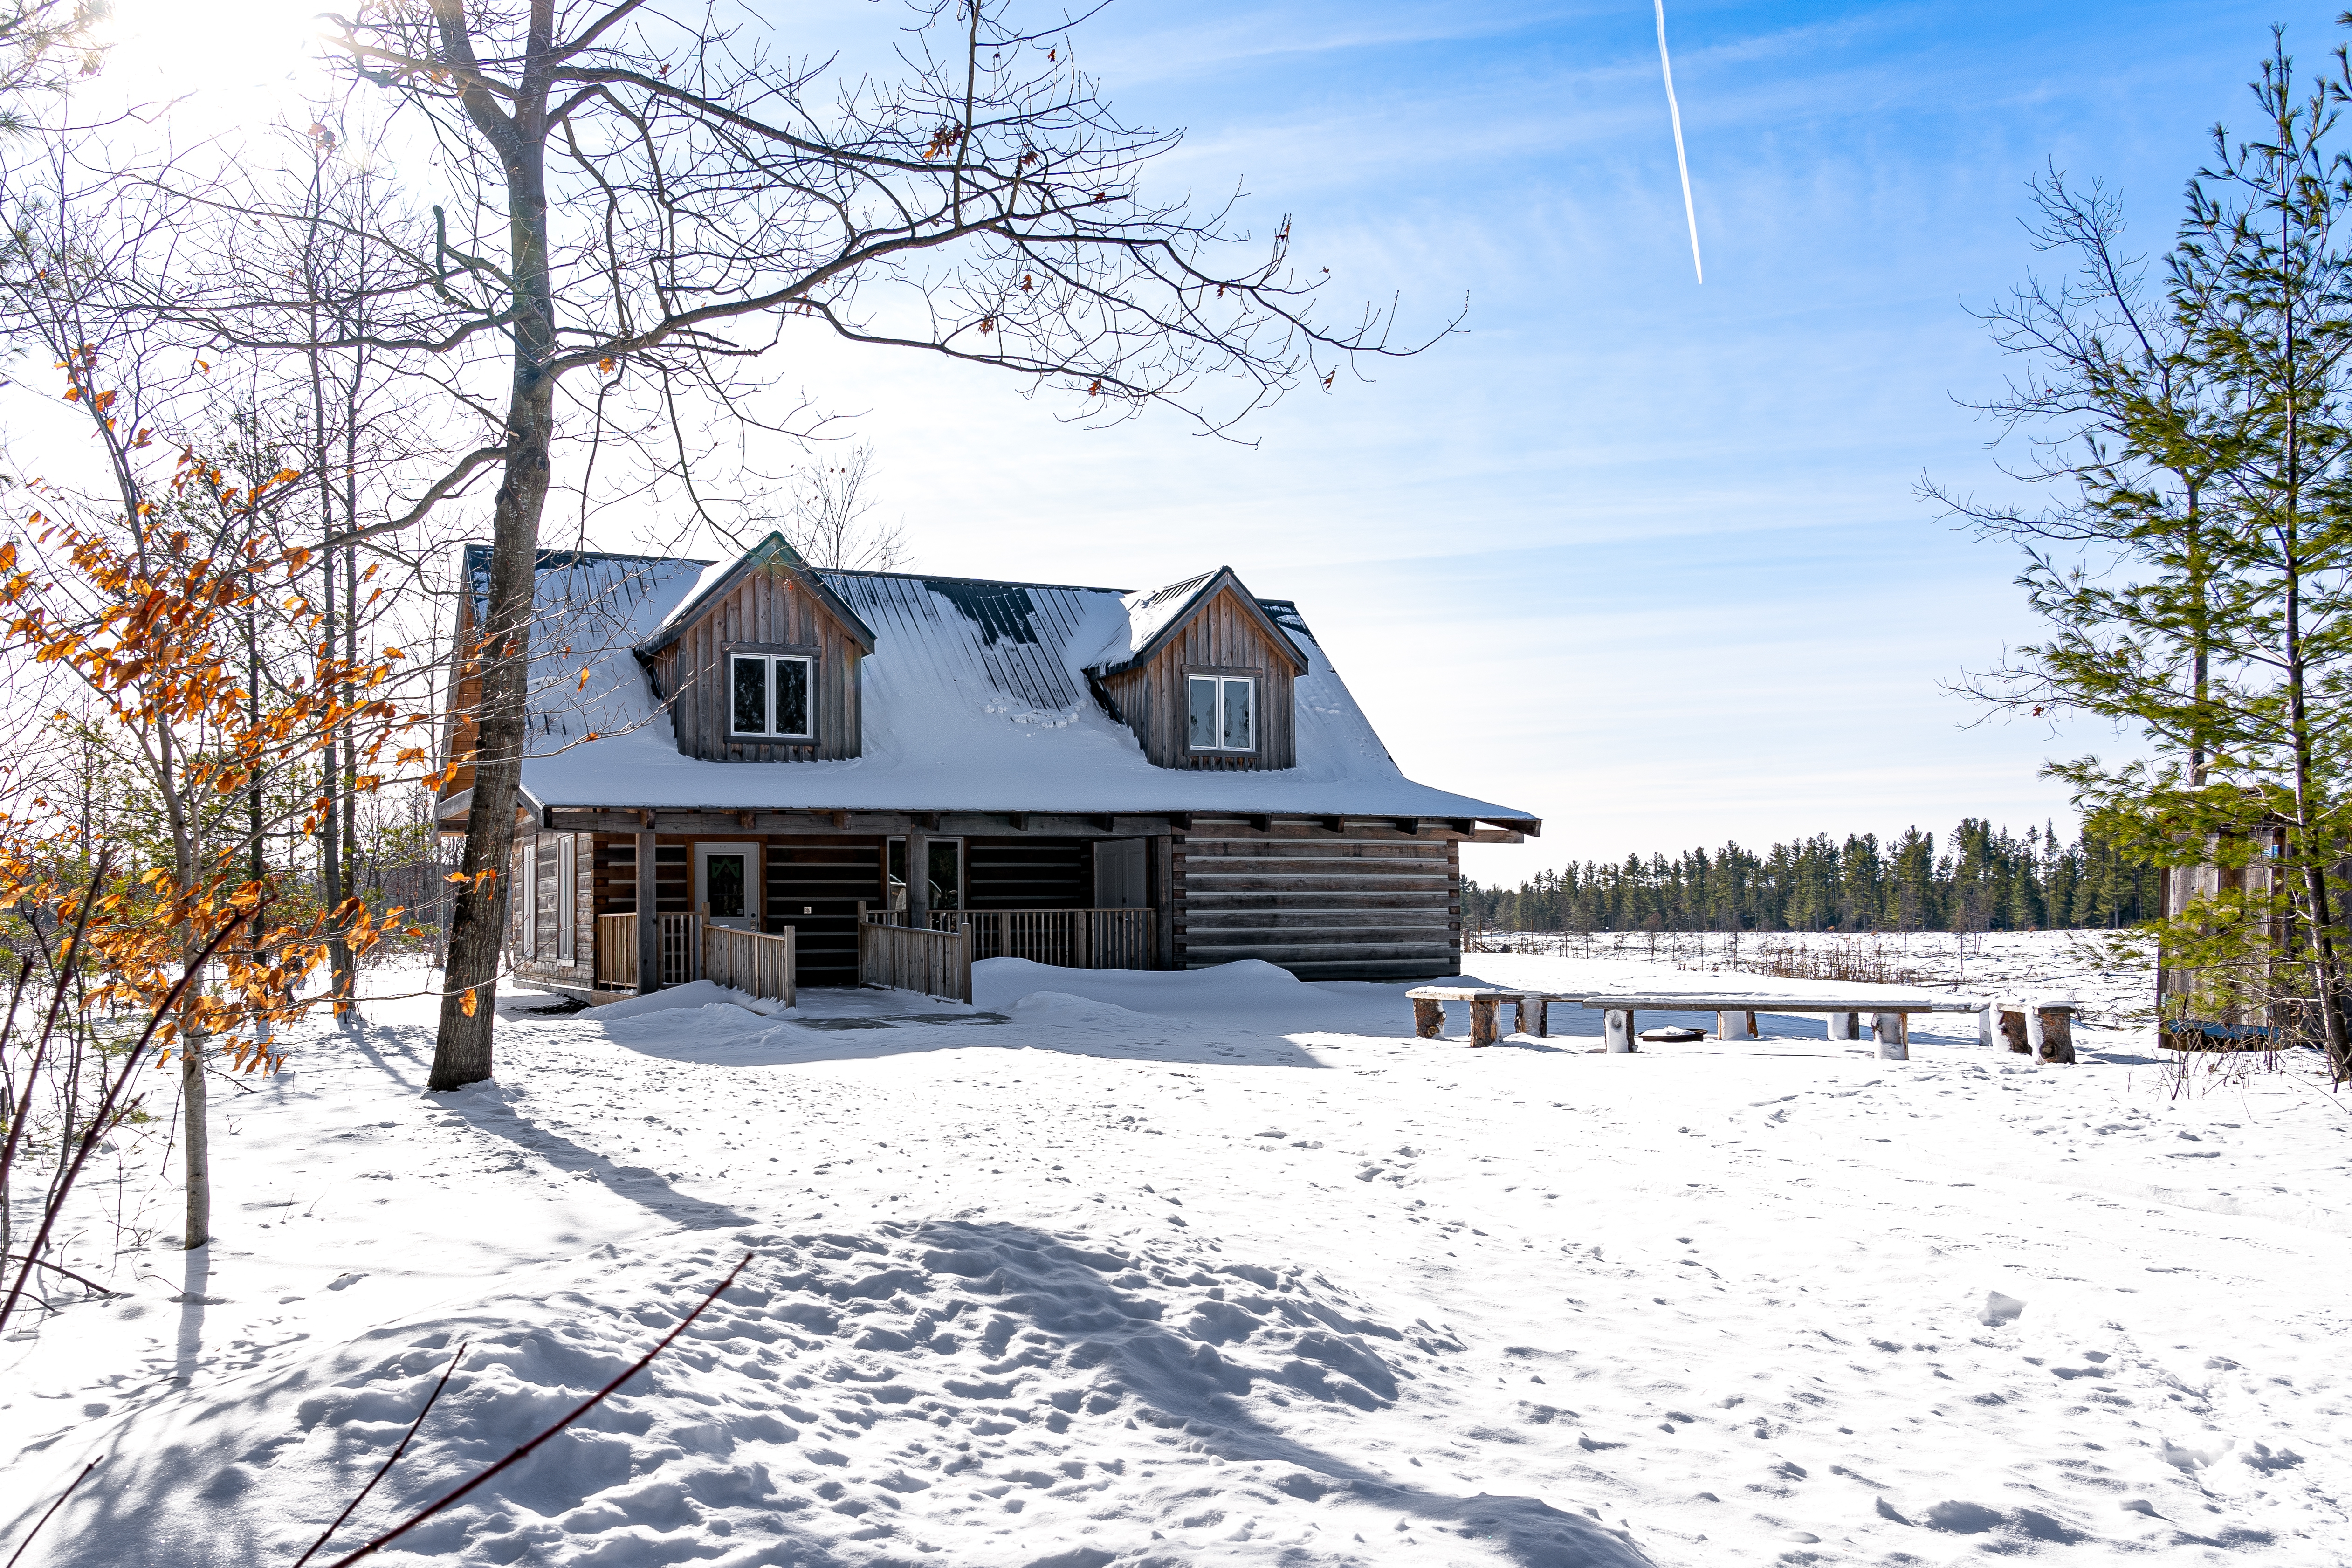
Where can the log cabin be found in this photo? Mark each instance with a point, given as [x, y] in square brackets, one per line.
[1170, 779]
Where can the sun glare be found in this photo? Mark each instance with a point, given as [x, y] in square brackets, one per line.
[230, 62]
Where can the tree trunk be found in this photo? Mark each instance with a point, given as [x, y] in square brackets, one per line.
[478, 922]
[194, 1134]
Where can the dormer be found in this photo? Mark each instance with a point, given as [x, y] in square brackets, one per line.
[1205, 676]
[760, 663]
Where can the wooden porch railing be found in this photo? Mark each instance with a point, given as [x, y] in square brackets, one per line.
[616, 950]
[1067, 939]
[758, 962]
[934, 962]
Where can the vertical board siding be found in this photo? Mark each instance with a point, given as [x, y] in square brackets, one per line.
[1323, 906]
[1220, 632]
[767, 606]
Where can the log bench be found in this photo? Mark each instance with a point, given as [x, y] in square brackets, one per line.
[1889, 1021]
[1534, 1009]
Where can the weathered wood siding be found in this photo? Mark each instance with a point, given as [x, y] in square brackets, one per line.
[1322, 905]
[767, 612]
[815, 886]
[542, 904]
[1028, 873]
[460, 731]
[1222, 635]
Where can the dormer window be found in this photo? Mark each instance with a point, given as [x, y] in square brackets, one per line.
[771, 695]
[1222, 712]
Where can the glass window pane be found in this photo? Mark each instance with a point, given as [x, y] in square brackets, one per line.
[896, 872]
[1202, 696]
[723, 882]
[1237, 717]
[750, 703]
[792, 697]
[947, 891]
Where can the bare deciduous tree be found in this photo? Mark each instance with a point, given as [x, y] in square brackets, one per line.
[641, 206]
[825, 518]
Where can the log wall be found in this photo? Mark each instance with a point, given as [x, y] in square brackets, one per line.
[1028, 874]
[542, 904]
[1323, 905]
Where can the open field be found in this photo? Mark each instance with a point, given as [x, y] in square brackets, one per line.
[1123, 1268]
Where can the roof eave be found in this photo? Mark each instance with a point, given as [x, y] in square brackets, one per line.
[685, 614]
[1221, 576]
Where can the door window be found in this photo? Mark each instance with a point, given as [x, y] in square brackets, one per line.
[723, 882]
[946, 879]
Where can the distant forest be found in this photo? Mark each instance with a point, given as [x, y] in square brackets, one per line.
[1986, 880]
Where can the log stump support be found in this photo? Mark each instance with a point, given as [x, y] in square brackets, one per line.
[1893, 1033]
[1845, 1026]
[1428, 1019]
[1617, 1025]
[1538, 1010]
[2047, 1034]
[1483, 1019]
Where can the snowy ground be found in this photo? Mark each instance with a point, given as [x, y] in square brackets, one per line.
[1221, 1268]
[2105, 978]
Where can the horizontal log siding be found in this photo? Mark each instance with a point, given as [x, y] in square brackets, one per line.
[1224, 632]
[767, 607]
[1028, 874]
[613, 871]
[1323, 906]
[673, 879]
[831, 877]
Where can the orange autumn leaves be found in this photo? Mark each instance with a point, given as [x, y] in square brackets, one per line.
[154, 633]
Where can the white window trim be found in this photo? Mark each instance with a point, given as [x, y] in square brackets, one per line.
[531, 900]
[771, 660]
[567, 898]
[1249, 680]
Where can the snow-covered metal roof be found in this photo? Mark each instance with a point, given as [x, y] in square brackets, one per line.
[975, 699]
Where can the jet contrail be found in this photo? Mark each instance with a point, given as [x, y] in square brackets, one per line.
[1675, 109]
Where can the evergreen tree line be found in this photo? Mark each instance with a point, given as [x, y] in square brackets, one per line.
[1985, 879]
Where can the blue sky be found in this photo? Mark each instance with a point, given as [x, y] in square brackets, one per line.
[1640, 556]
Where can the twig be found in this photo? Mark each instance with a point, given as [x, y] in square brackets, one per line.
[53, 1509]
[584, 1406]
[57, 1269]
[98, 1123]
[327, 1534]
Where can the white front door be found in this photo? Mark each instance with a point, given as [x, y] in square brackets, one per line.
[727, 884]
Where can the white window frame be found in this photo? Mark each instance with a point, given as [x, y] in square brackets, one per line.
[567, 898]
[771, 660]
[1220, 749]
[530, 900]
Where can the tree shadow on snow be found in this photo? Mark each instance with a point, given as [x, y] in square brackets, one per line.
[486, 1108]
[945, 1357]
